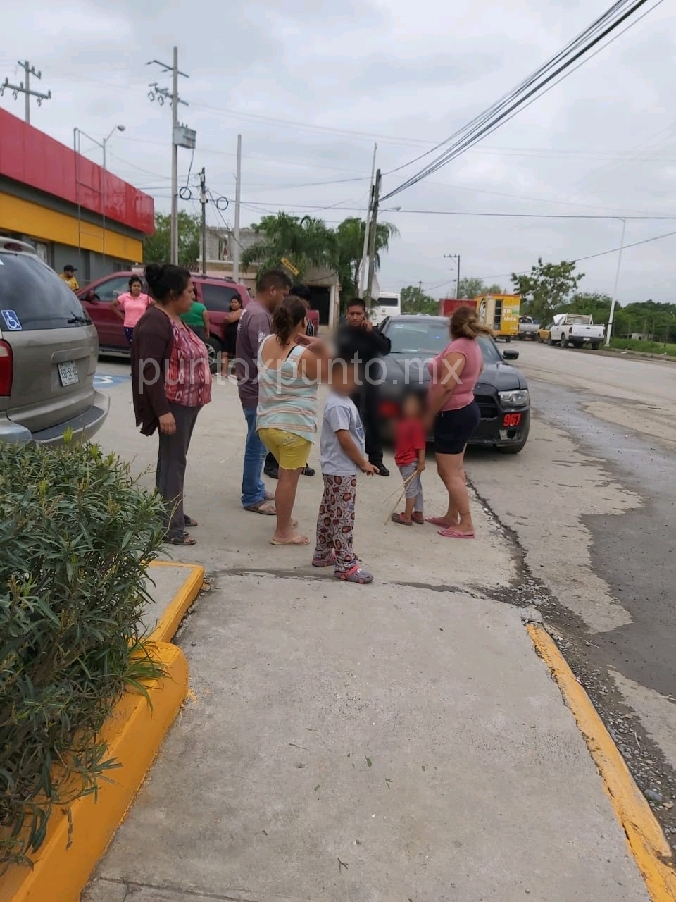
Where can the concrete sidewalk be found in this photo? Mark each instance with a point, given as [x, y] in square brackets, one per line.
[400, 741]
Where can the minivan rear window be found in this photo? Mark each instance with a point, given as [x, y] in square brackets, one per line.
[218, 297]
[33, 297]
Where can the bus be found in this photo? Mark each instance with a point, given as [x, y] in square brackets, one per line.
[387, 304]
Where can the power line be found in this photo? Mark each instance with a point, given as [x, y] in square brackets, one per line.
[512, 103]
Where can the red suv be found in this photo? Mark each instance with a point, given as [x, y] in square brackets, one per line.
[211, 291]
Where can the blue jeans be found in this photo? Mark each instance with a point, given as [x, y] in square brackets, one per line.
[253, 488]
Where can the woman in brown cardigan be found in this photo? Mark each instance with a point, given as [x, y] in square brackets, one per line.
[171, 382]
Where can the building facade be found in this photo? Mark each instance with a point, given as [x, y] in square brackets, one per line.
[324, 284]
[69, 208]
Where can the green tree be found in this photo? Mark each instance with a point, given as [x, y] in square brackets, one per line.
[350, 248]
[305, 242]
[591, 303]
[474, 288]
[157, 247]
[548, 288]
[414, 300]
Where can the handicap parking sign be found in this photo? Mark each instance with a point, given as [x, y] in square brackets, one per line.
[12, 321]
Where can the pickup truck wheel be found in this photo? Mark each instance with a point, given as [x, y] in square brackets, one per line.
[595, 346]
[564, 341]
[213, 350]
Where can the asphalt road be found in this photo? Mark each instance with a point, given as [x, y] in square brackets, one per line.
[591, 502]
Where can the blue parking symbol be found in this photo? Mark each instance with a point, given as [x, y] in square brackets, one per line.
[12, 321]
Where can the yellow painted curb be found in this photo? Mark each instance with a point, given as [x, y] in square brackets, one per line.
[169, 622]
[646, 840]
[134, 733]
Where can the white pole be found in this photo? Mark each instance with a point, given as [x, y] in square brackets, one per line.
[609, 331]
[364, 257]
[173, 258]
[238, 197]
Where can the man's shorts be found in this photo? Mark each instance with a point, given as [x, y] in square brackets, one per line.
[291, 451]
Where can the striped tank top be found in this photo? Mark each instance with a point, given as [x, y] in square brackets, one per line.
[287, 400]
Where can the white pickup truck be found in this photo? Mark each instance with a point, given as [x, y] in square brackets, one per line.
[575, 329]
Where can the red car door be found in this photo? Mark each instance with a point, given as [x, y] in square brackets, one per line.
[108, 324]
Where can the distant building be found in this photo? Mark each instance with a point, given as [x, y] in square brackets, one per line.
[324, 284]
[68, 208]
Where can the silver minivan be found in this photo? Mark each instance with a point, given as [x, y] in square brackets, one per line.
[48, 354]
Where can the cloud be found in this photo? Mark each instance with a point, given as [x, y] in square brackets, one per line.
[311, 84]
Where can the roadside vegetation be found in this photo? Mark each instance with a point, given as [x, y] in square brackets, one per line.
[644, 347]
[76, 536]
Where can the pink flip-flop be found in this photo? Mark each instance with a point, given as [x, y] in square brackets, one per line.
[452, 533]
[437, 521]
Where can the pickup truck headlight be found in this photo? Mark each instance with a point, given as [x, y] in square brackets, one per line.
[517, 398]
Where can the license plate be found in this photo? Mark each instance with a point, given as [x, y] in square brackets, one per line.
[68, 374]
[510, 420]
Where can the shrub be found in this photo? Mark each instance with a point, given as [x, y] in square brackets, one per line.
[76, 535]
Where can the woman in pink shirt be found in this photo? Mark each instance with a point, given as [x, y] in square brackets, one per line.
[455, 413]
[131, 306]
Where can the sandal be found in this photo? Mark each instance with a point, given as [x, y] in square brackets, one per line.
[401, 520]
[263, 507]
[355, 575]
[324, 561]
[185, 539]
[294, 540]
[438, 521]
[419, 519]
[453, 533]
[189, 521]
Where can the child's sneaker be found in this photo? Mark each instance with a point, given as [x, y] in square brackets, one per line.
[355, 575]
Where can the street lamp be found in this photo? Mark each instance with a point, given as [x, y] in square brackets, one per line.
[104, 143]
[77, 135]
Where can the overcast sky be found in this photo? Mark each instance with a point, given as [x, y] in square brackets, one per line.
[310, 85]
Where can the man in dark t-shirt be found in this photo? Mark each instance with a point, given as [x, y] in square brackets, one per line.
[254, 326]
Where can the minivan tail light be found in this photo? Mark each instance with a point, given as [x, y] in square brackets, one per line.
[6, 369]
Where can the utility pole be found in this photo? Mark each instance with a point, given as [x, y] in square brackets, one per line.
[609, 330]
[455, 257]
[203, 201]
[364, 256]
[24, 87]
[162, 94]
[372, 235]
[238, 198]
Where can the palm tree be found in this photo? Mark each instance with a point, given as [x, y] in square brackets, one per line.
[305, 243]
[350, 247]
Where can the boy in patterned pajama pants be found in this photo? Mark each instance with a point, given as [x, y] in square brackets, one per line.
[342, 454]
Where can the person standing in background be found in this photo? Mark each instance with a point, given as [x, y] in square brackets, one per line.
[131, 306]
[68, 276]
[230, 327]
[197, 319]
[254, 327]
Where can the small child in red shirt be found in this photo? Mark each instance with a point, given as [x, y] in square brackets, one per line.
[409, 456]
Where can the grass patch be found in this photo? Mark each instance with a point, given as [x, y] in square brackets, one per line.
[645, 347]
